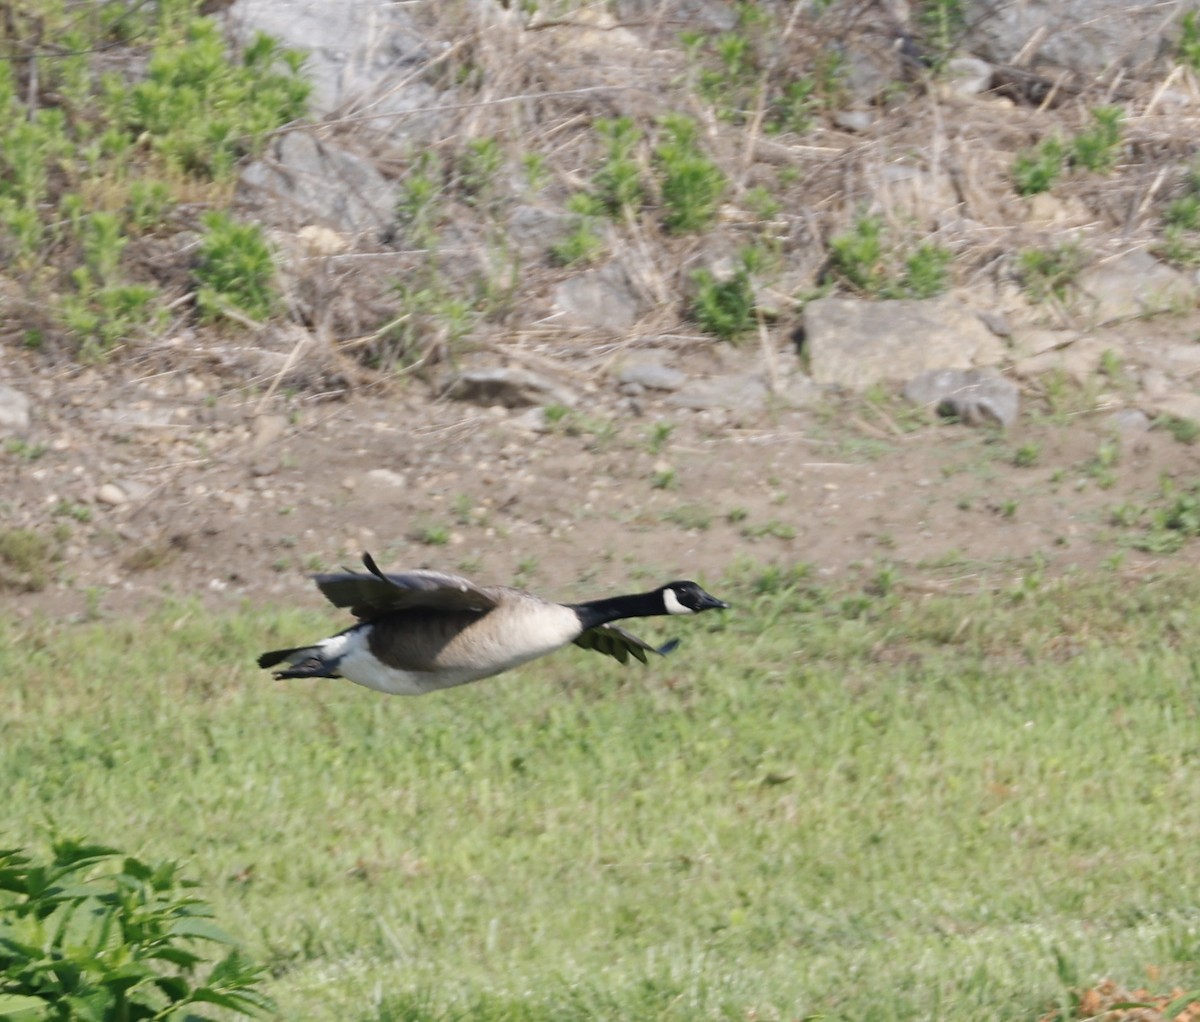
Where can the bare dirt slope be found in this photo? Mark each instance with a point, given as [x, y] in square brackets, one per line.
[179, 484]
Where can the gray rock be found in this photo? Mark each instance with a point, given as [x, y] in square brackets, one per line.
[362, 56]
[1086, 36]
[1128, 420]
[321, 182]
[512, 388]
[533, 230]
[385, 478]
[857, 121]
[14, 411]
[912, 192]
[652, 376]
[1136, 284]
[854, 343]
[976, 397]
[966, 76]
[1079, 358]
[603, 298]
[1180, 405]
[739, 392]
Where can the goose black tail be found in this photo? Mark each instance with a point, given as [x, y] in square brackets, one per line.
[304, 661]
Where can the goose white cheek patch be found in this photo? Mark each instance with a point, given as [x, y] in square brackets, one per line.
[671, 602]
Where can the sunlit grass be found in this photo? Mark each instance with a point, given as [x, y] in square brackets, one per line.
[830, 803]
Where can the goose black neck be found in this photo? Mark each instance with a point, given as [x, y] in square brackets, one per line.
[601, 612]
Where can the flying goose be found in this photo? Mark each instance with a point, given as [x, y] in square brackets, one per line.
[420, 631]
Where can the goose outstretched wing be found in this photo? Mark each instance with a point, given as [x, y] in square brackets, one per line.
[372, 595]
[614, 641]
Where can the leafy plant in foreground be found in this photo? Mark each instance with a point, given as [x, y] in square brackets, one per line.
[93, 935]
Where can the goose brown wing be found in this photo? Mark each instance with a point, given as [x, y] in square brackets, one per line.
[370, 596]
[615, 642]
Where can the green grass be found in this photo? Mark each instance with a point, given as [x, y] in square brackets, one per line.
[826, 803]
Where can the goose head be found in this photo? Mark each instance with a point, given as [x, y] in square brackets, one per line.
[688, 598]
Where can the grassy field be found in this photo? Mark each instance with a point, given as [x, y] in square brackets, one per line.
[825, 804]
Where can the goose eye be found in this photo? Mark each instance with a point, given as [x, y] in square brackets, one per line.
[673, 604]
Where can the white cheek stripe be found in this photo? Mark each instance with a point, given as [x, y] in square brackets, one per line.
[671, 602]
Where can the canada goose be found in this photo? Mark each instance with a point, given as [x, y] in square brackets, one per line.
[424, 630]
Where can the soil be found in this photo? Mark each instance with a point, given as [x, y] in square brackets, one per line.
[183, 484]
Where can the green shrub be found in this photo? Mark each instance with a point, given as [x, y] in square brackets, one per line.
[925, 271]
[1187, 49]
[236, 270]
[201, 111]
[1051, 272]
[692, 184]
[619, 181]
[726, 307]
[1036, 170]
[942, 23]
[90, 935]
[1097, 147]
[866, 259]
[104, 158]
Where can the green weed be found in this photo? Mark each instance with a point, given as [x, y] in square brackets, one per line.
[664, 479]
[773, 529]
[479, 164]
[738, 71]
[200, 111]
[23, 449]
[1187, 47]
[724, 308]
[692, 517]
[618, 182]
[657, 436]
[418, 208]
[1036, 170]
[864, 258]
[235, 270]
[25, 556]
[691, 184]
[1185, 431]
[431, 534]
[92, 934]
[926, 271]
[943, 24]
[1050, 273]
[1027, 455]
[583, 246]
[1096, 148]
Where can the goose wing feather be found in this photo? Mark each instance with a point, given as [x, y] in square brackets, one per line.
[370, 596]
[616, 642]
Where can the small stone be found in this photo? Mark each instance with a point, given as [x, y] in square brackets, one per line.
[1128, 420]
[385, 477]
[652, 375]
[14, 411]
[532, 420]
[853, 120]
[112, 494]
[266, 430]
